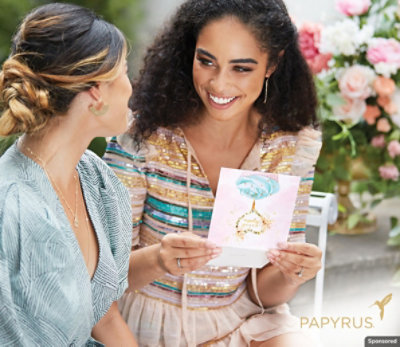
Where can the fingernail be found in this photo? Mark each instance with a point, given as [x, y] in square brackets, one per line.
[210, 244]
[217, 251]
[271, 260]
[282, 245]
[274, 253]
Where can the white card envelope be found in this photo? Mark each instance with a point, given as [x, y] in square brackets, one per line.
[252, 213]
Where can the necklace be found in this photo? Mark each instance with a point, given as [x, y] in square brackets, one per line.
[88, 242]
[61, 195]
[53, 182]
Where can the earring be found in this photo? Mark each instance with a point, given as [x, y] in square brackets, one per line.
[266, 90]
[100, 110]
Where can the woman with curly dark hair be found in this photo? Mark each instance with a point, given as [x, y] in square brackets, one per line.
[224, 85]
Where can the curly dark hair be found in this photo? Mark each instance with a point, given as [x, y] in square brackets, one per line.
[164, 94]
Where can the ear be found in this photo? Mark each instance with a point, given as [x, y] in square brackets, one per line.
[272, 68]
[94, 93]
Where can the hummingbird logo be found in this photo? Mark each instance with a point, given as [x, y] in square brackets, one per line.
[381, 304]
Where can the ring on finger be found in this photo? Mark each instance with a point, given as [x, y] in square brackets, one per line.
[300, 273]
[178, 262]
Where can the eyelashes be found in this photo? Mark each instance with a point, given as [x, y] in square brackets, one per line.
[208, 63]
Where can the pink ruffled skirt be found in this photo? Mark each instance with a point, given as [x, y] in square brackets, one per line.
[158, 323]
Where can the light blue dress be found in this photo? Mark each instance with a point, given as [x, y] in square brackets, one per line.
[46, 295]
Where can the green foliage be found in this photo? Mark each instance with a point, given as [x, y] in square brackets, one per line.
[6, 142]
[125, 14]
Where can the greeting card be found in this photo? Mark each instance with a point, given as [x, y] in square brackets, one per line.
[252, 213]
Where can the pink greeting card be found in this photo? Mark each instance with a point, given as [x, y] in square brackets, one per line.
[252, 213]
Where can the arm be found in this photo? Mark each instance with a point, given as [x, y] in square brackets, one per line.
[152, 262]
[279, 281]
[111, 329]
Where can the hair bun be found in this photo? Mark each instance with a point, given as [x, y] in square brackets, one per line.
[24, 99]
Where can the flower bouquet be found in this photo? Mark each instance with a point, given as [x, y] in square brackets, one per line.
[356, 62]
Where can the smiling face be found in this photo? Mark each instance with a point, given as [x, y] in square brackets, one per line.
[229, 69]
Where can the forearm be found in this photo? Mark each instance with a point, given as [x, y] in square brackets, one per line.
[112, 330]
[272, 286]
[144, 267]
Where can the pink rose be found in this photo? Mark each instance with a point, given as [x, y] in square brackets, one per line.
[351, 111]
[389, 172]
[384, 86]
[394, 148]
[353, 7]
[383, 125]
[378, 141]
[371, 114]
[384, 51]
[387, 104]
[355, 83]
[309, 38]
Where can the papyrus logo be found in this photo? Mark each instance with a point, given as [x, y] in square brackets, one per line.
[381, 304]
[346, 322]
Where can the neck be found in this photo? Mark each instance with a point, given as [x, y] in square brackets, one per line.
[57, 148]
[225, 134]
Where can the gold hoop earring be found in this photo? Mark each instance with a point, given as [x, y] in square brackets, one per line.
[100, 110]
[266, 90]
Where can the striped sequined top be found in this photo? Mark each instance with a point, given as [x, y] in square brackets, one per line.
[156, 180]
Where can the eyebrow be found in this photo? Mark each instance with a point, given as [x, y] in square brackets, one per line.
[234, 61]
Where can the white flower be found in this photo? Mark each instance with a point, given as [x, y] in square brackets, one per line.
[344, 37]
[351, 111]
[365, 34]
[396, 100]
[386, 69]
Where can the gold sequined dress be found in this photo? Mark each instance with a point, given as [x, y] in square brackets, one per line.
[170, 194]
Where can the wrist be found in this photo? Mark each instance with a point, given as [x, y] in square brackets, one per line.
[159, 263]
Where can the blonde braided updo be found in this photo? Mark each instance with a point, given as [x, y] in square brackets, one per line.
[58, 51]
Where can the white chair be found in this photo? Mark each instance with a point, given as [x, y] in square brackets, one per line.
[323, 209]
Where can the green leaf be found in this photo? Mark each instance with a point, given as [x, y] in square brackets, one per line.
[341, 208]
[375, 203]
[353, 220]
[335, 99]
[98, 146]
[394, 221]
[394, 241]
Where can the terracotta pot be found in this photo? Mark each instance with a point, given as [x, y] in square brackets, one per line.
[341, 225]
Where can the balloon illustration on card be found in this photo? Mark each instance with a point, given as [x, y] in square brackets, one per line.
[255, 187]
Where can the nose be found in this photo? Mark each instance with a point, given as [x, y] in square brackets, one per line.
[220, 81]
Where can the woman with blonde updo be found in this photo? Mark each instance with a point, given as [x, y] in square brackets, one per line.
[65, 218]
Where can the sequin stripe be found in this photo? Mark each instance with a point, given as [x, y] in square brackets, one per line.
[149, 236]
[304, 190]
[297, 237]
[203, 302]
[180, 197]
[196, 290]
[220, 274]
[197, 283]
[177, 210]
[179, 163]
[175, 220]
[153, 177]
[177, 304]
[166, 174]
[160, 227]
[113, 148]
